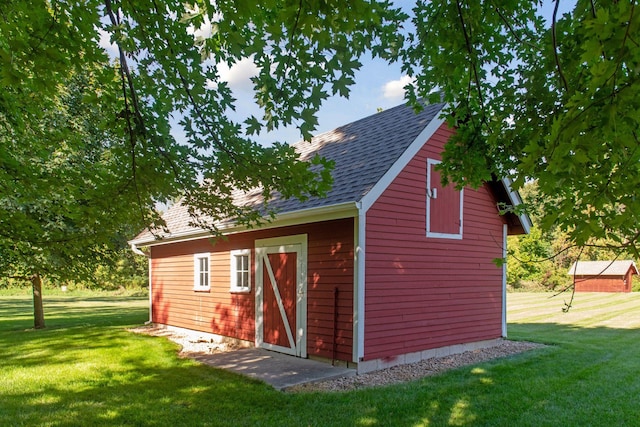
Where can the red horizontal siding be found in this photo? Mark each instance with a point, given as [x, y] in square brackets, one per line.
[176, 303]
[329, 266]
[423, 293]
[602, 284]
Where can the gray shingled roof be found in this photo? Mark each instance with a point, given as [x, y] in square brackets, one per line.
[602, 268]
[363, 151]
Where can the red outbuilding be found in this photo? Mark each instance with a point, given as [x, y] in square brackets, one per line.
[390, 268]
[603, 276]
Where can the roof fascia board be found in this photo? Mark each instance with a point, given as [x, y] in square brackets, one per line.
[324, 213]
[370, 198]
[515, 199]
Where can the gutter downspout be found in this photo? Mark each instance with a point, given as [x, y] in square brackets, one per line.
[136, 250]
[505, 229]
[359, 252]
[150, 321]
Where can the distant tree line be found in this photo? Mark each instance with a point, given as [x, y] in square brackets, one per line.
[541, 259]
[124, 271]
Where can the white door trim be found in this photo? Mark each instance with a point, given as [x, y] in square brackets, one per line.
[263, 247]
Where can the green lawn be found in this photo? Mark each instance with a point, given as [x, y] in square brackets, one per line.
[86, 369]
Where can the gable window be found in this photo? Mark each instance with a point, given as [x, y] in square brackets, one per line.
[201, 272]
[444, 206]
[240, 270]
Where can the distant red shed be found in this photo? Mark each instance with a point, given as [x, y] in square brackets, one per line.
[603, 276]
[369, 275]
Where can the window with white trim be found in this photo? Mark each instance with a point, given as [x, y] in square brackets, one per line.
[241, 270]
[201, 274]
[444, 206]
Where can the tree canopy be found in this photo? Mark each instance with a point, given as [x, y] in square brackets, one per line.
[66, 187]
[87, 145]
[553, 99]
[87, 140]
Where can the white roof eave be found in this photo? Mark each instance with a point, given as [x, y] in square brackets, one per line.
[324, 213]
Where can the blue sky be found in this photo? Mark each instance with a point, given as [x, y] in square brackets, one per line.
[378, 85]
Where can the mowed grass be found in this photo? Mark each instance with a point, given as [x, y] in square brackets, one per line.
[87, 369]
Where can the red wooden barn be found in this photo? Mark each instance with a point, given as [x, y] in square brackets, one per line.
[390, 268]
[603, 276]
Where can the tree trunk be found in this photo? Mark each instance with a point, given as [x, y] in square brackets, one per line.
[38, 311]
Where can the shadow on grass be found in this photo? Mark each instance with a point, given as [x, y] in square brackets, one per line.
[142, 394]
[588, 377]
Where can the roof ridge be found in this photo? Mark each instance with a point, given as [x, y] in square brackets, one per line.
[362, 150]
[377, 114]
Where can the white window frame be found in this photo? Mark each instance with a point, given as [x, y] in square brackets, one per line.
[432, 194]
[233, 271]
[197, 272]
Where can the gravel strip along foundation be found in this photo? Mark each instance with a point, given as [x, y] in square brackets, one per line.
[194, 344]
[424, 368]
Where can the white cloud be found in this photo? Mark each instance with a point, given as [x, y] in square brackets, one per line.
[105, 43]
[394, 89]
[239, 75]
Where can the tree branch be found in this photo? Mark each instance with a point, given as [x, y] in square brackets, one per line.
[294, 28]
[555, 46]
[471, 56]
[593, 104]
[510, 28]
[127, 80]
[196, 106]
[567, 306]
[124, 67]
[624, 42]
